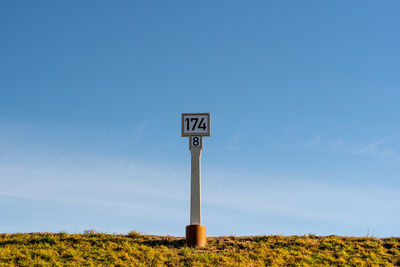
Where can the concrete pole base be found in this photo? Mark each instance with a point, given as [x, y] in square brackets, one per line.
[196, 235]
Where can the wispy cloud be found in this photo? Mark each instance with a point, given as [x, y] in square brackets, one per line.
[120, 188]
[378, 149]
[317, 202]
[233, 143]
[382, 148]
[337, 144]
[139, 131]
[315, 140]
[319, 141]
[98, 187]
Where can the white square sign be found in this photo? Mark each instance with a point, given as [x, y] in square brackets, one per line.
[195, 124]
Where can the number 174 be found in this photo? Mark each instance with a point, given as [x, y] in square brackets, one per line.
[199, 125]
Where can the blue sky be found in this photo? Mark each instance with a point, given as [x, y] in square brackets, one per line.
[304, 100]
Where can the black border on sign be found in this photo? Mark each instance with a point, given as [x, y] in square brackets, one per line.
[191, 114]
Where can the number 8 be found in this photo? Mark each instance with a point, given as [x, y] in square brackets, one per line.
[195, 141]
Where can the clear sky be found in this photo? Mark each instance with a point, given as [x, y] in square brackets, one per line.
[304, 102]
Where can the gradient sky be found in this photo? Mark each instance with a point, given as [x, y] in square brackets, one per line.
[304, 100]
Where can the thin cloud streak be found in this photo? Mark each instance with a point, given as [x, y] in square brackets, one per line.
[378, 149]
[233, 143]
[375, 148]
[139, 131]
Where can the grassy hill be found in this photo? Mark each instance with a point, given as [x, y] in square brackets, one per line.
[144, 250]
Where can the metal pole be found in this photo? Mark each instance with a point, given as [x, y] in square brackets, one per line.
[195, 232]
[195, 187]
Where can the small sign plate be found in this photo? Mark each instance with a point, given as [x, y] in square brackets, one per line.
[196, 141]
[195, 124]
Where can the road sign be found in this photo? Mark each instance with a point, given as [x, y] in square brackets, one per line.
[196, 124]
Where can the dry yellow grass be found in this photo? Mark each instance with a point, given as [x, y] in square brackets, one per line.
[97, 249]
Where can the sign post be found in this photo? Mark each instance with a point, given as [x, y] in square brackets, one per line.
[195, 125]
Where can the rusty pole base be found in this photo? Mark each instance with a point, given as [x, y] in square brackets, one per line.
[196, 235]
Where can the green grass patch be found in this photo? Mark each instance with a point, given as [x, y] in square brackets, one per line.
[135, 249]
